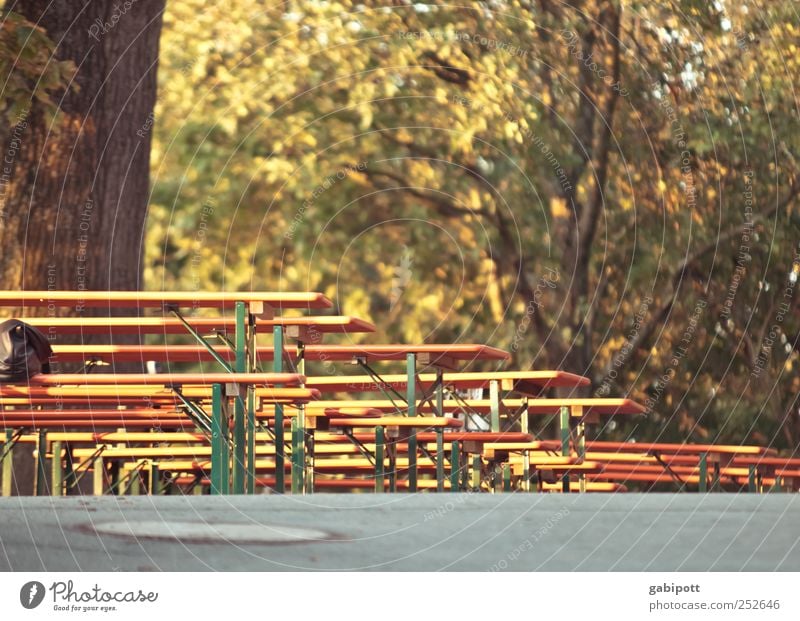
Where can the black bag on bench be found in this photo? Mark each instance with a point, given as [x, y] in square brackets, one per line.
[24, 351]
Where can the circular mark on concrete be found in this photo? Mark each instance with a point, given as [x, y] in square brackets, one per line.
[217, 532]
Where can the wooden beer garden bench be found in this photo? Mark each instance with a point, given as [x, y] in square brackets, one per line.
[248, 308]
[193, 390]
[716, 455]
[438, 357]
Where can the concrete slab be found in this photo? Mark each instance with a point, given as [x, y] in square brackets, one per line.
[403, 532]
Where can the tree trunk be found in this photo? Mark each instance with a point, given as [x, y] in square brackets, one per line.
[76, 190]
[76, 200]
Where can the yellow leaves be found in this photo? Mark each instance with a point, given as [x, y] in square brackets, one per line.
[510, 130]
[228, 123]
[466, 237]
[306, 138]
[558, 208]
[612, 346]
[403, 135]
[493, 292]
[474, 199]
[365, 110]
[276, 170]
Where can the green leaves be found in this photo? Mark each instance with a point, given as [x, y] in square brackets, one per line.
[28, 69]
[481, 134]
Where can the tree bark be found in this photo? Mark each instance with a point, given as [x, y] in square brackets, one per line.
[76, 199]
[76, 189]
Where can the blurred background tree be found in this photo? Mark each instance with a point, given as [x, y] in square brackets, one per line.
[607, 187]
[79, 85]
[78, 90]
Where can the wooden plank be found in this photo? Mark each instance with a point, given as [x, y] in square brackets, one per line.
[152, 391]
[164, 379]
[423, 422]
[205, 325]
[312, 352]
[363, 383]
[669, 448]
[156, 299]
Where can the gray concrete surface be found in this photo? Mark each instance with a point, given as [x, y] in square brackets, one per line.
[510, 532]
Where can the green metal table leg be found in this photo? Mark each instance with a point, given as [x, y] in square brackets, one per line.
[239, 444]
[411, 399]
[564, 428]
[412, 460]
[581, 442]
[703, 485]
[463, 464]
[280, 446]
[439, 391]
[155, 480]
[391, 451]
[439, 435]
[251, 440]
[252, 367]
[476, 472]
[715, 478]
[69, 469]
[751, 479]
[526, 471]
[309, 479]
[307, 437]
[494, 404]
[297, 457]
[135, 482]
[8, 463]
[219, 443]
[524, 424]
[113, 472]
[439, 460]
[239, 423]
[455, 466]
[379, 466]
[57, 468]
[41, 465]
[506, 477]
